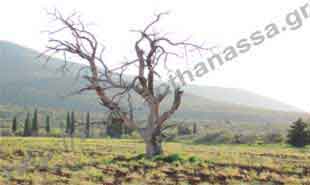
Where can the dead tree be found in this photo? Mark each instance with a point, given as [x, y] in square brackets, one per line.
[151, 49]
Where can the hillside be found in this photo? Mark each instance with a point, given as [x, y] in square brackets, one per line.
[240, 97]
[27, 82]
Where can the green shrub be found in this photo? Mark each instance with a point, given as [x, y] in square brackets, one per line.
[194, 159]
[170, 158]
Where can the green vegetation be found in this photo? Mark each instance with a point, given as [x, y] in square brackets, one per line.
[220, 133]
[14, 124]
[27, 127]
[47, 124]
[33, 161]
[87, 128]
[72, 124]
[35, 126]
[299, 134]
[68, 123]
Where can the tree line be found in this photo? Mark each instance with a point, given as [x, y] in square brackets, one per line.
[298, 134]
[31, 124]
[32, 127]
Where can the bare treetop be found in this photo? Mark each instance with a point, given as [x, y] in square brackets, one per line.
[151, 49]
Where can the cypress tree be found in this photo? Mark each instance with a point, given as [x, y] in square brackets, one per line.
[87, 129]
[14, 125]
[27, 128]
[72, 125]
[68, 124]
[35, 127]
[47, 124]
[195, 131]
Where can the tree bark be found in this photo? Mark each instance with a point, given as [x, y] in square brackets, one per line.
[153, 148]
[153, 143]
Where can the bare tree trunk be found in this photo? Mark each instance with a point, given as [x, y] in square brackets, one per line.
[102, 81]
[153, 148]
[153, 143]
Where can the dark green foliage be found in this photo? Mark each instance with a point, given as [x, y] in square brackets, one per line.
[170, 158]
[194, 159]
[47, 124]
[27, 126]
[35, 126]
[68, 123]
[14, 124]
[115, 128]
[298, 134]
[195, 131]
[72, 125]
[87, 128]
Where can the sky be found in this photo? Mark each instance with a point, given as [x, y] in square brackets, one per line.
[277, 68]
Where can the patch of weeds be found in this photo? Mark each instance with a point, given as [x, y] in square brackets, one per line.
[121, 158]
[138, 157]
[170, 158]
[194, 159]
[107, 161]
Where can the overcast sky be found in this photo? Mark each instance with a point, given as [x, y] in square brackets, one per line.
[278, 68]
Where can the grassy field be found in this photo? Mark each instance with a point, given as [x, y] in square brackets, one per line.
[52, 161]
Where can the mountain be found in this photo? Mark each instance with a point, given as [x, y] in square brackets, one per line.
[28, 81]
[240, 97]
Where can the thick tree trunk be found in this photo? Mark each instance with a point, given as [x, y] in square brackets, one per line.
[153, 148]
[153, 143]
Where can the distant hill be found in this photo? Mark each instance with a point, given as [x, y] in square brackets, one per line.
[26, 81]
[240, 97]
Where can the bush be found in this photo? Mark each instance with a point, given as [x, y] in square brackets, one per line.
[194, 159]
[170, 158]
